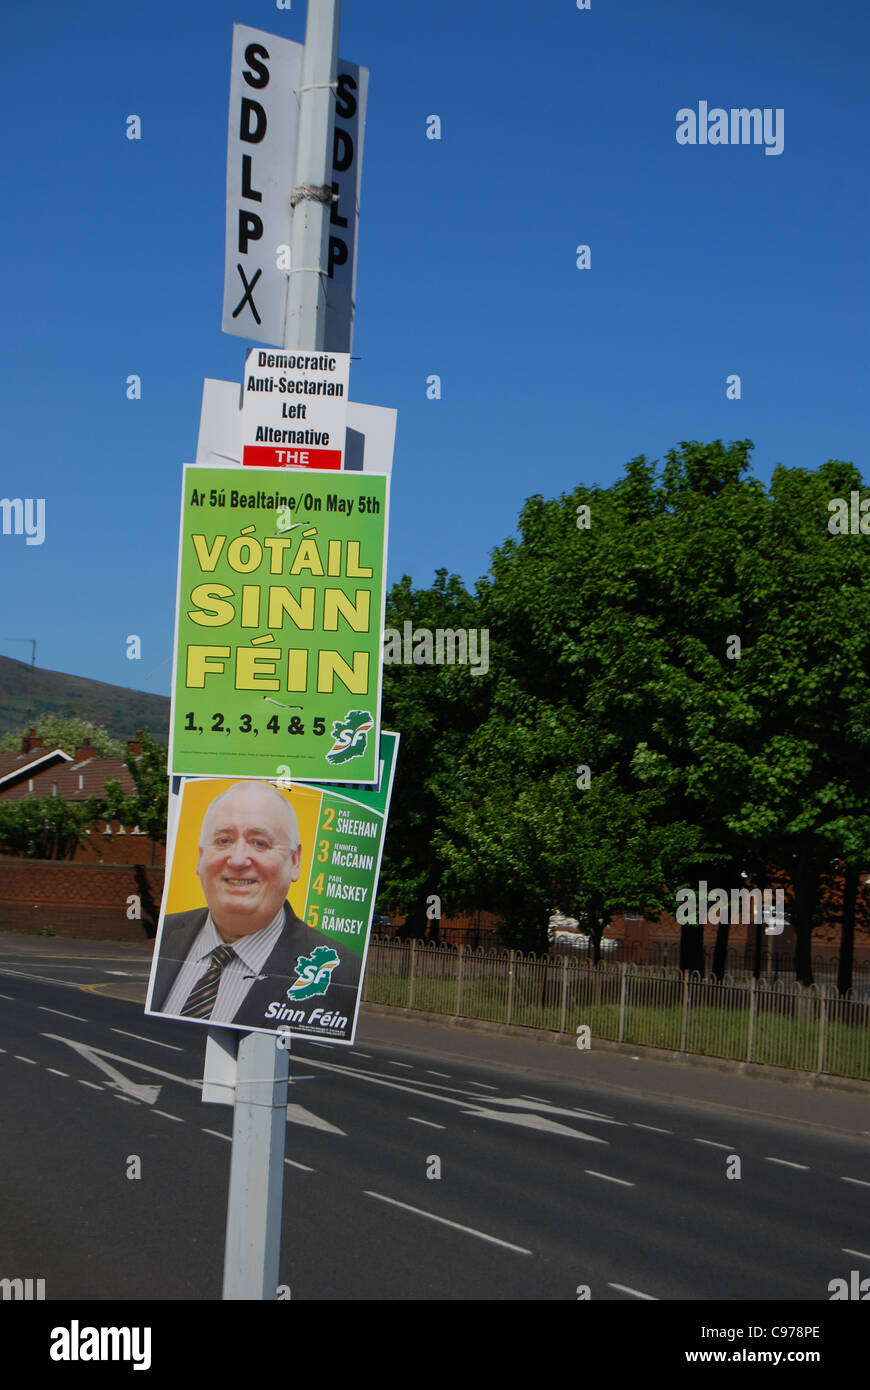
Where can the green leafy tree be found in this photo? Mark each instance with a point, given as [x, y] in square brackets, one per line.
[66, 732]
[434, 708]
[147, 805]
[702, 647]
[45, 827]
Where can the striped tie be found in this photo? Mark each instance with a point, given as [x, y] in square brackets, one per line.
[201, 1000]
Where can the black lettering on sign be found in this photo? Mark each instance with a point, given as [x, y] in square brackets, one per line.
[252, 53]
[248, 296]
[247, 190]
[333, 212]
[337, 253]
[342, 151]
[252, 108]
[345, 101]
[250, 229]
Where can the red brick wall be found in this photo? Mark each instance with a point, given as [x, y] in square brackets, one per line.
[98, 847]
[75, 899]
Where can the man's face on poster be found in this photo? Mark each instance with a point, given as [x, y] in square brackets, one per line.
[249, 854]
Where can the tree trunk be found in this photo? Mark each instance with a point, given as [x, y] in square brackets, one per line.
[692, 947]
[758, 939]
[806, 886]
[720, 952]
[851, 881]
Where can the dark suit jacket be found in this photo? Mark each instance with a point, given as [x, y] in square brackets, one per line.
[180, 930]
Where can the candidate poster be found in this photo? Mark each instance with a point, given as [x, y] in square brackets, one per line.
[279, 618]
[266, 914]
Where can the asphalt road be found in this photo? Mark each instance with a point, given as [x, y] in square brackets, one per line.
[558, 1169]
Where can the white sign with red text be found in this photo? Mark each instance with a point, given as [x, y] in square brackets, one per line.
[369, 439]
[294, 409]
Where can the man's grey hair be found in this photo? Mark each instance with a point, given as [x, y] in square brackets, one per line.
[267, 790]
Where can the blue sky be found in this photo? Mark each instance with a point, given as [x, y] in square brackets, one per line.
[558, 128]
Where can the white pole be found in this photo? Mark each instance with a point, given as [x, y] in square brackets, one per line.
[305, 321]
[253, 1244]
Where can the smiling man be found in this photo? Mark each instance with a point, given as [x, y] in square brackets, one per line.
[235, 960]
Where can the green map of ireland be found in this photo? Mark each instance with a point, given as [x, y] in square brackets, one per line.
[350, 736]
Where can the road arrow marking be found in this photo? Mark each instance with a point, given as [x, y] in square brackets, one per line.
[540, 1122]
[298, 1115]
[139, 1091]
[467, 1101]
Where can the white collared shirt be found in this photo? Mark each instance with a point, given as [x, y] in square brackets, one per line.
[236, 979]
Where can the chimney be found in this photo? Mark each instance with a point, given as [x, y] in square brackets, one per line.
[31, 741]
[85, 750]
[134, 746]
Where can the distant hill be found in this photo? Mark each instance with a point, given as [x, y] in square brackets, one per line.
[119, 710]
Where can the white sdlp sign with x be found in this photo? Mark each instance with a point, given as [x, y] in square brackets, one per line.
[261, 176]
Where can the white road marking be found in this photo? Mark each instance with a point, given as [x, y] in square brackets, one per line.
[607, 1178]
[130, 974]
[139, 1092]
[406, 1065]
[318, 1044]
[19, 1058]
[635, 1293]
[166, 1115]
[784, 1162]
[142, 1038]
[291, 1163]
[859, 1182]
[217, 1134]
[11, 997]
[42, 979]
[93, 1085]
[128, 1100]
[711, 1144]
[859, 1254]
[539, 1122]
[430, 1072]
[548, 1109]
[483, 1085]
[430, 1123]
[54, 1071]
[358, 1054]
[97, 1057]
[298, 1115]
[78, 1018]
[456, 1225]
[540, 1100]
[656, 1129]
[467, 1102]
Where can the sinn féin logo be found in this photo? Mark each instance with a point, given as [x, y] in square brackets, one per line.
[314, 972]
[349, 736]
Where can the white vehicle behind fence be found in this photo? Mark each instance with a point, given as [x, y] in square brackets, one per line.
[565, 931]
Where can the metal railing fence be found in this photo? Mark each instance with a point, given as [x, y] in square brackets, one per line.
[776, 1023]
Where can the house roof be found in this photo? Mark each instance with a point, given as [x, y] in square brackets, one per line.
[14, 766]
[70, 781]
